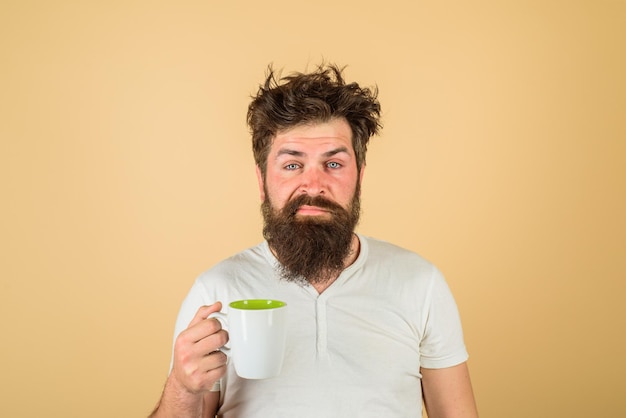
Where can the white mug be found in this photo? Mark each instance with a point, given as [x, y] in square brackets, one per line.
[258, 331]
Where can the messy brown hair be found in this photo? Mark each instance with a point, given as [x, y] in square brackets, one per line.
[300, 98]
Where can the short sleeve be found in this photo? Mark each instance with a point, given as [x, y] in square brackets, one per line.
[442, 344]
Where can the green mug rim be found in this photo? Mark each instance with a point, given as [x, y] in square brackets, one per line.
[256, 304]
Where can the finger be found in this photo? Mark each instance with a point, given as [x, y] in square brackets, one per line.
[202, 374]
[216, 370]
[200, 328]
[212, 342]
[213, 361]
[204, 311]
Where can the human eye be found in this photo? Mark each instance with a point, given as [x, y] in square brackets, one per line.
[333, 164]
[292, 166]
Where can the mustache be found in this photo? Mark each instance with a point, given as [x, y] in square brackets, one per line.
[293, 205]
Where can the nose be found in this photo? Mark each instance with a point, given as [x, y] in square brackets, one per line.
[313, 182]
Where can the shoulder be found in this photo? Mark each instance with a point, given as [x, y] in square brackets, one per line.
[245, 264]
[394, 257]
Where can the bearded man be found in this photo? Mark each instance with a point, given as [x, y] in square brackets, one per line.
[373, 329]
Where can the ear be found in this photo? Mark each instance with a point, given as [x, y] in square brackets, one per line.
[259, 177]
[361, 173]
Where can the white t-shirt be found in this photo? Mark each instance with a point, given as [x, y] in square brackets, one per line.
[353, 351]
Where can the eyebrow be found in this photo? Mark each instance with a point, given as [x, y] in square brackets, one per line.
[295, 153]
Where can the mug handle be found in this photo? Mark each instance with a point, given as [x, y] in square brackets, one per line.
[220, 316]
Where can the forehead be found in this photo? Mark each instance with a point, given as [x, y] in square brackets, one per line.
[333, 132]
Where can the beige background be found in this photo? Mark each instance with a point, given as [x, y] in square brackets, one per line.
[126, 170]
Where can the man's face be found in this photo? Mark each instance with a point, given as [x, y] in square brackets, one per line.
[315, 160]
[310, 199]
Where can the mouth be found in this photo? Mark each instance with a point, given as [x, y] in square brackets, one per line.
[307, 210]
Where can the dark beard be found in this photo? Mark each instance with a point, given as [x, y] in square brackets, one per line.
[310, 249]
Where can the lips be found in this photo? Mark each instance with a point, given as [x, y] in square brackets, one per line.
[311, 210]
[310, 205]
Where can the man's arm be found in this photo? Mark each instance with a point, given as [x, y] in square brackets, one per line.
[197, 366]
[448, 392]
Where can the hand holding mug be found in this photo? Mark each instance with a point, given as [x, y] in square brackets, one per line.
[198, 363]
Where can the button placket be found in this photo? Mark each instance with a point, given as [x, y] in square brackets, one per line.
[322, 326]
